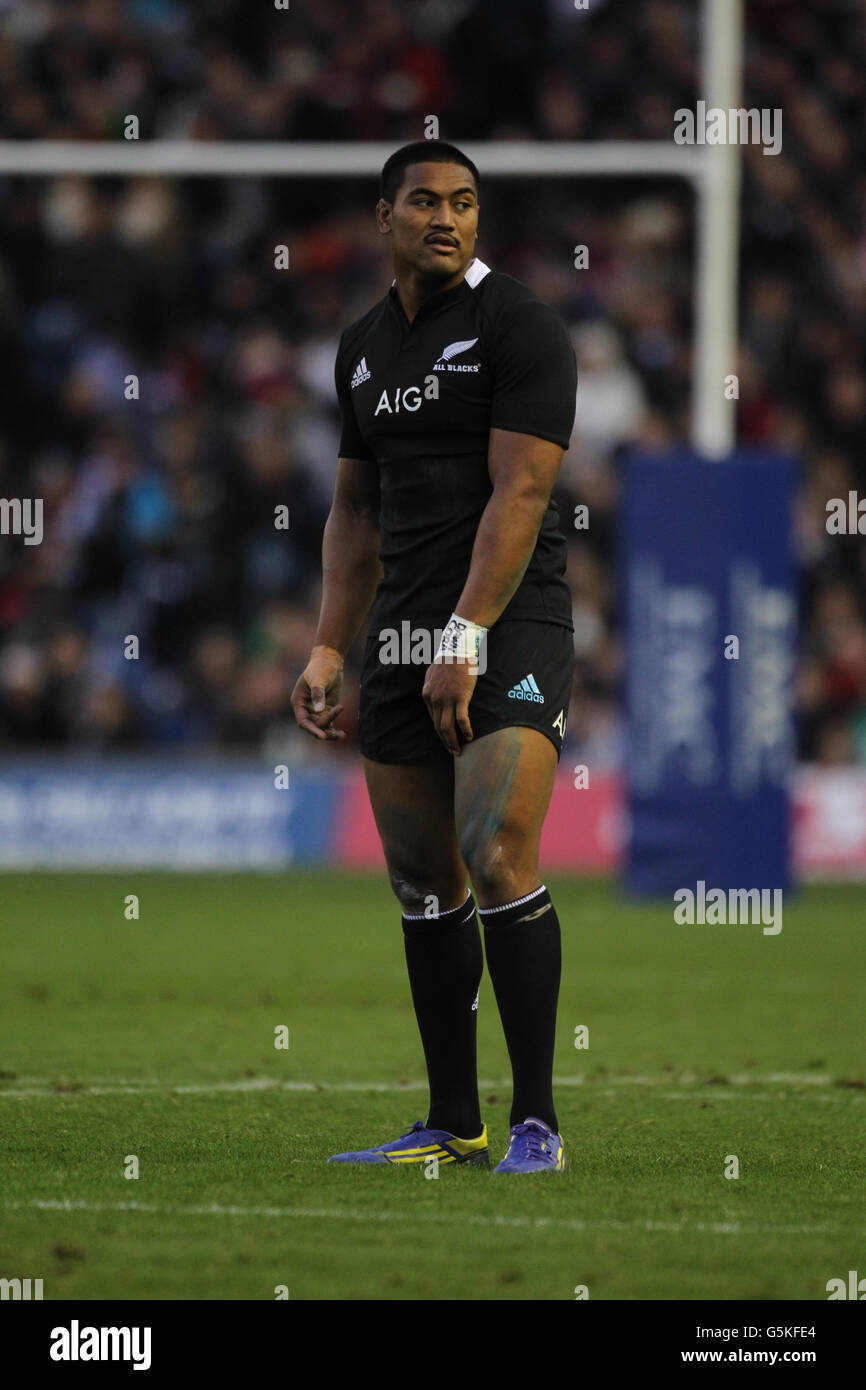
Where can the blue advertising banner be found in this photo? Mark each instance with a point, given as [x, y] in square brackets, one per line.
[710, 621]
[178, 816]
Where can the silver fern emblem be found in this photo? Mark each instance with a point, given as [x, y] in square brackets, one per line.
[454, 349]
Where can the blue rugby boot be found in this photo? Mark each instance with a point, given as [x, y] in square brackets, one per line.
[533, 1148]
[419, 1144]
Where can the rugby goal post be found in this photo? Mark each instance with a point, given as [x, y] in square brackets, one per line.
[712, 170]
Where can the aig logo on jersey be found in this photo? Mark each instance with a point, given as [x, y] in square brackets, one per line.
[444, 363]
[408, 397]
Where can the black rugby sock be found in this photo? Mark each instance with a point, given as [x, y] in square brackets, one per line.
[524, 958]
[445, 963]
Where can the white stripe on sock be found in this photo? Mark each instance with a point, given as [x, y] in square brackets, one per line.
[420, 916]
[518, 902]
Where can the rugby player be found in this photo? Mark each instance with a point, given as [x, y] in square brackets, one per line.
[457, 399]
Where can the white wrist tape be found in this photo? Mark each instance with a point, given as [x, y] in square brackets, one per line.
[460, 641]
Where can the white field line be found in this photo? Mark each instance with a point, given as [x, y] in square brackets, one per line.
[734, 1228]
[744, 1083]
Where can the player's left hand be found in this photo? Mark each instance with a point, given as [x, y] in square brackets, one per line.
[448, 688]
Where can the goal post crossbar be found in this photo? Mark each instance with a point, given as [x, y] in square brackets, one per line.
[714, 172]
[711, 414]
[343, 159]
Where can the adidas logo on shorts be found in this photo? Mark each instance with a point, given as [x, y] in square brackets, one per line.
[526, 690]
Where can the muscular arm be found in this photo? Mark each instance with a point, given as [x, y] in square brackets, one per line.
[523, 470]
[350, 573]
[350, 554]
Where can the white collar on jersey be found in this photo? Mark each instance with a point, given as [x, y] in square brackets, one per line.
[475, 273]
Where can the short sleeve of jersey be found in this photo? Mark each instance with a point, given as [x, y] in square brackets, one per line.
[352, 445]
[534, 374]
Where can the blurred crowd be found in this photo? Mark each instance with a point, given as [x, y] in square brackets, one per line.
[166, 387]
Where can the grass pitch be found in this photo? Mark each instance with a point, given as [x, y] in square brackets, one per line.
[155, 1039]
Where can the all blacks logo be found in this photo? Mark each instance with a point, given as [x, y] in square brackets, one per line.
[444, 363]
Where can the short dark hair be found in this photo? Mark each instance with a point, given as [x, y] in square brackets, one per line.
[421, 152]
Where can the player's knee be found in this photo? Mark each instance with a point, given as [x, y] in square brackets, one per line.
[412, 889]
[493, 867]
[430, 890]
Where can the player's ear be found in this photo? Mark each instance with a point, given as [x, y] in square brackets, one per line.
[383, 215]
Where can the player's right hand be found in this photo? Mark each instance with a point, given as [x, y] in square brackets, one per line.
[316, 693]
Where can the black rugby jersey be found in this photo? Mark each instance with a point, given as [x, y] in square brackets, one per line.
[420, 400]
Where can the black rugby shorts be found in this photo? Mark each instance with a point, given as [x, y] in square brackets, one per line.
[526, 682]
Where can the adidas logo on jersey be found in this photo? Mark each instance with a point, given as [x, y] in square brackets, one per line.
[443, 363]
[526, 690]
[361, 373]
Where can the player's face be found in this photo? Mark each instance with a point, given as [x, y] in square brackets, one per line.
[433, 220]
